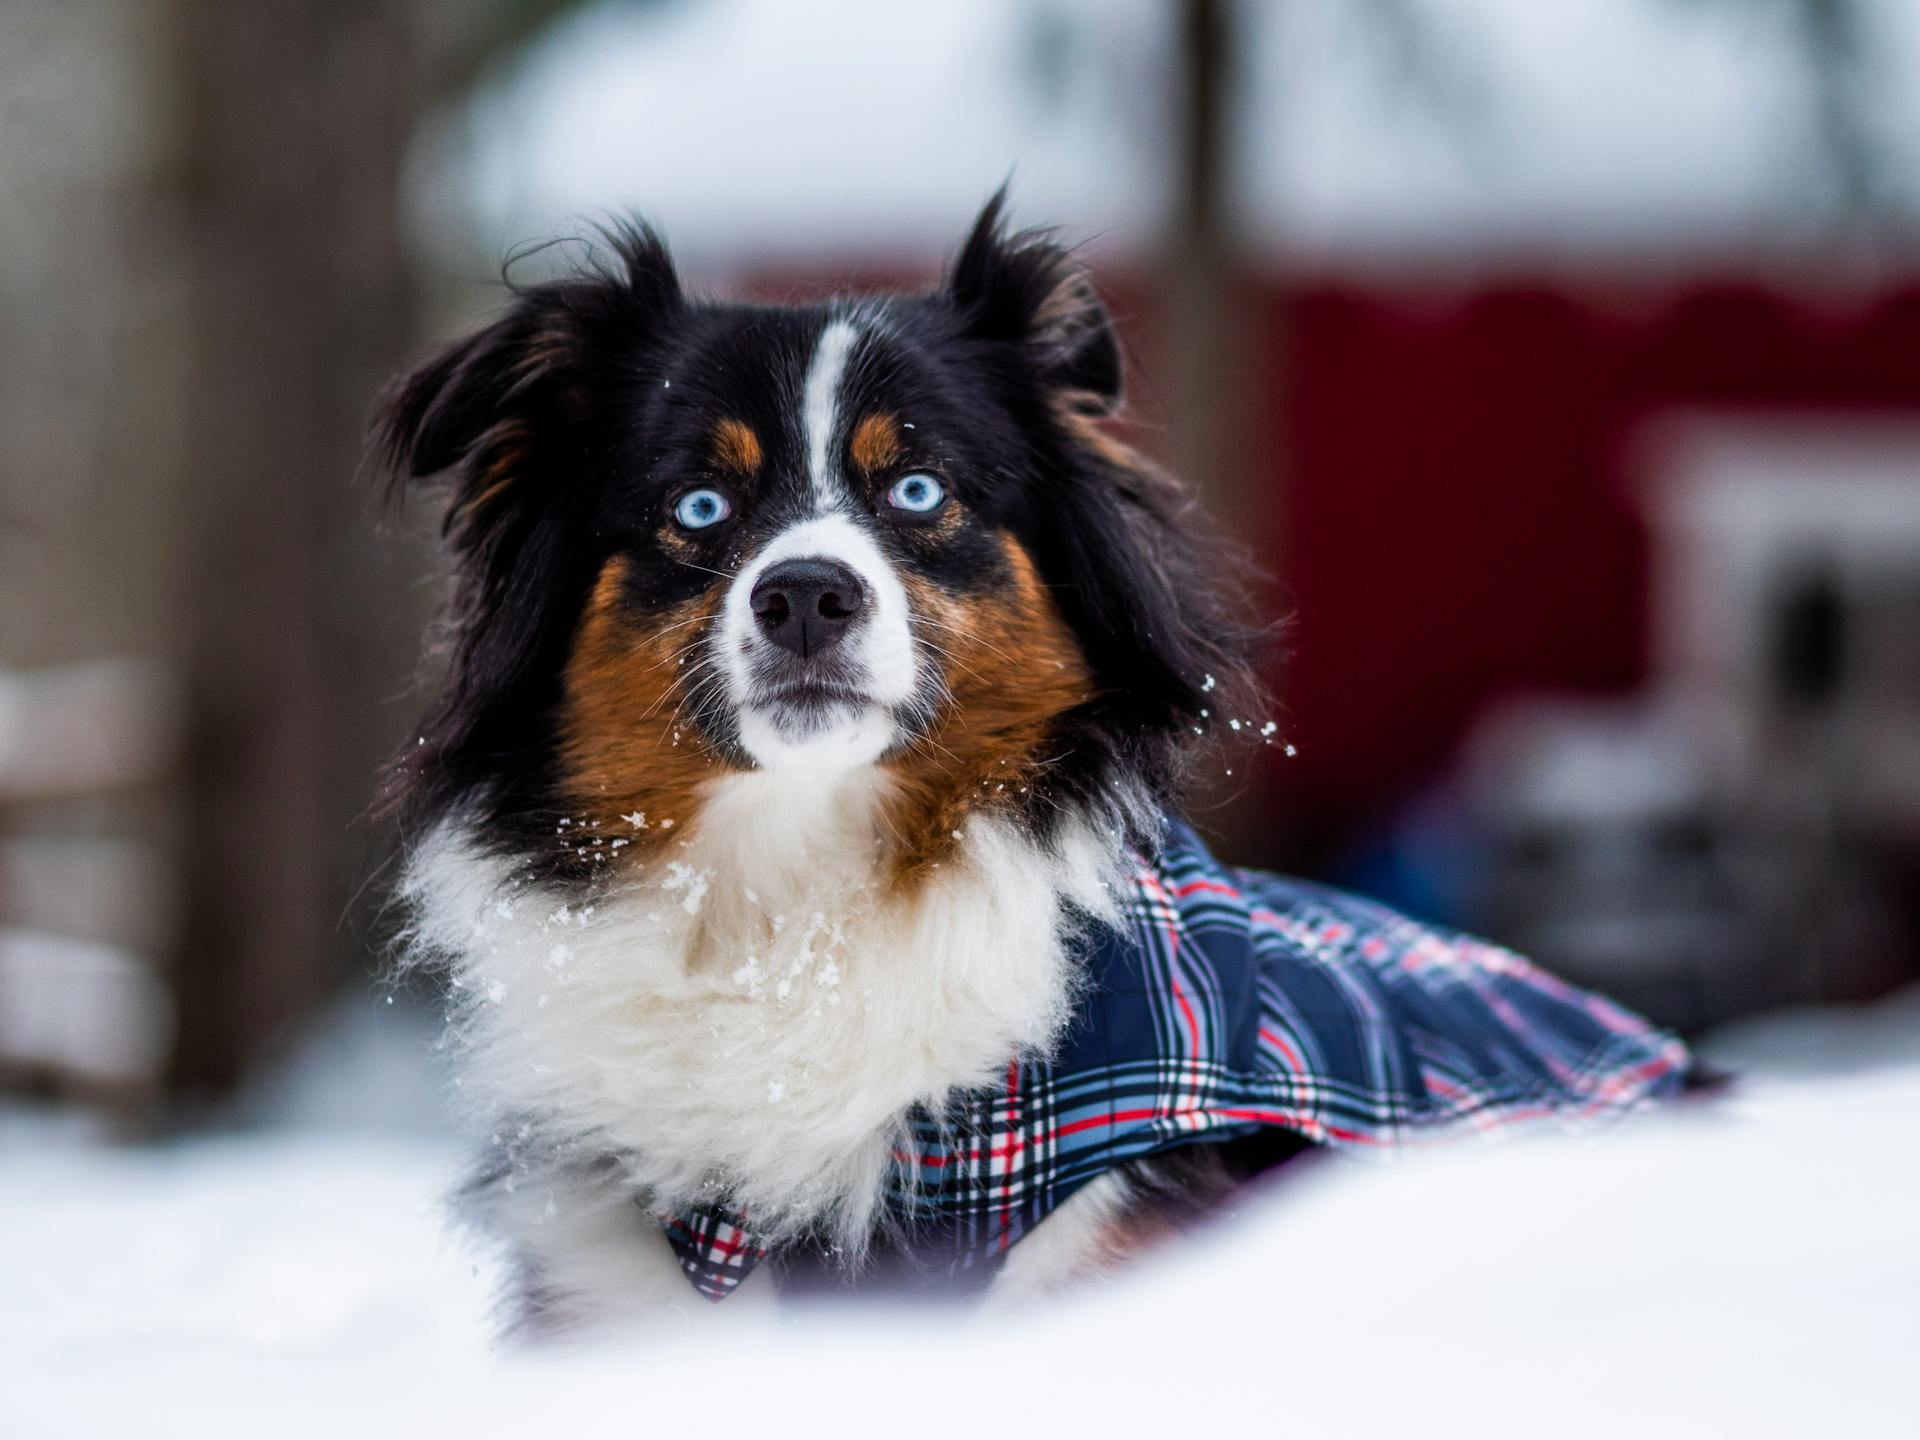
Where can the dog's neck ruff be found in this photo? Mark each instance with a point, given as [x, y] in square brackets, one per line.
[754, 1012]
[1229, 1001]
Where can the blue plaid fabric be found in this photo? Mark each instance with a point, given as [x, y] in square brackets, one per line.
[1229, 1001]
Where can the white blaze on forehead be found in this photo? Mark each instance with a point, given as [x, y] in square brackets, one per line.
[821, 406]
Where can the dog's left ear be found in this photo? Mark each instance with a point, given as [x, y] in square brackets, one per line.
[1027, 290]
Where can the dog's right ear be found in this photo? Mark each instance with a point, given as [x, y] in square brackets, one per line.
[500, 422]
[432, 420]
[472, 415]
[1028, 290]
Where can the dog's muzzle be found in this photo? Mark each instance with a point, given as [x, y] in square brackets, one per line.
[817, 649]
[807, 606]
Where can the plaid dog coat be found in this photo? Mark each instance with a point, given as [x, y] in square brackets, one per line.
[1228, 1001]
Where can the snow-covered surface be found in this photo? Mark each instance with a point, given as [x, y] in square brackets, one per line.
[1749, 1268]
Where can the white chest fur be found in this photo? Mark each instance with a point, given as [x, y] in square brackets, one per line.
[753, 1007]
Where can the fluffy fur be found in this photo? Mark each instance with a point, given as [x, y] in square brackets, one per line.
[729, 872]
[757, 1004]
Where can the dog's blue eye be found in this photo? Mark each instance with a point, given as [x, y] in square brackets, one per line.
[916, 494]
[697, 509]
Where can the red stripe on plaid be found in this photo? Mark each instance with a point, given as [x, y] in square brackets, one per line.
[1013, 1118]
[1186, 1011]
[725, 1246]
[1279, 1042]
[1206, 887]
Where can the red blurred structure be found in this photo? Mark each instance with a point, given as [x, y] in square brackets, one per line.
[1457, 518]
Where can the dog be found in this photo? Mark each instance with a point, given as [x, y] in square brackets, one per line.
[797, 820]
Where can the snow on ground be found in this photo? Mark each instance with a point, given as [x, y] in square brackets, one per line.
[1752, 1268]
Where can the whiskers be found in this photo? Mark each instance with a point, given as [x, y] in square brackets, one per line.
[691, 565]
[964, 634]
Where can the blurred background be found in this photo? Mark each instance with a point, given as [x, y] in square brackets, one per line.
[1560, 365]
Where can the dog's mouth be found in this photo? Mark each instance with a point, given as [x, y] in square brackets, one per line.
[823, 683]
[809, 705]
[816, 700]
[811, 694]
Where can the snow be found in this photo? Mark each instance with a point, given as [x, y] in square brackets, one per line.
[1749, 1267]
[681, 876]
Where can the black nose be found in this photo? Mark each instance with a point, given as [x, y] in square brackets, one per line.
[806, 605]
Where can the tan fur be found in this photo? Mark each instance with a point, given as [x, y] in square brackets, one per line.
[876, 443]
[626, 750]
[503, 459]
[1096, 439]
[736, 448]
[503, 456]
[1012, 667]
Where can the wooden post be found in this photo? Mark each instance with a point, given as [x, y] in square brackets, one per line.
[1209, 373]
[297, 114]
[1198, 323]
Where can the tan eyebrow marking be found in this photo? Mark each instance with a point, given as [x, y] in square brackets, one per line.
[876, 443]
[736, 447]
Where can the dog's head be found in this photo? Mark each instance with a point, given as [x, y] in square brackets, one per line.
[696, 538]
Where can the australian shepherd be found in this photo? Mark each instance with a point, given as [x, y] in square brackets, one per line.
[813, 675]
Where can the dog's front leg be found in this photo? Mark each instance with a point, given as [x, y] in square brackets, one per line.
[1114, 1219]
[1073, 1245]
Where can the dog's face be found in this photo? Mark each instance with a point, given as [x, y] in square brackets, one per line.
[807, 519]
[698, 539]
